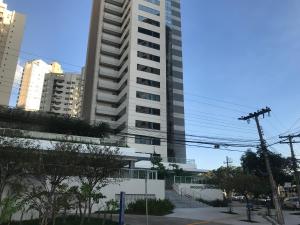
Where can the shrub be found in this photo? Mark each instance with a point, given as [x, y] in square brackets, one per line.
[155, 207]
[71, 220]
[52, 123]
[215, 203]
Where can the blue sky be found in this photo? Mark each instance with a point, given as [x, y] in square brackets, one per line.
[239, 56]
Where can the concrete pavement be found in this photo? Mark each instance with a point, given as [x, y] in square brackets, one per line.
[215, 215]
[162, 220]
[208, 216]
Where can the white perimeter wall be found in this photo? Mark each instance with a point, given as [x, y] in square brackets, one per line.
[129, 186]
[197, 191]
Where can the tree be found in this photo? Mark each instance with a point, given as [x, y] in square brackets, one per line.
[98, 166]
[49, 180]
[254, 163]
[250, 186]
[157, 165]
[14, 167]
[222, 177]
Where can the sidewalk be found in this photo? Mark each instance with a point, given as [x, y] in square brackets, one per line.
[215, 215]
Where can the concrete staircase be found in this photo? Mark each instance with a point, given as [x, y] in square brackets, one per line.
[183, 201]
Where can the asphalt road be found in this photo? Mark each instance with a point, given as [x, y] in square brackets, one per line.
[160, 220]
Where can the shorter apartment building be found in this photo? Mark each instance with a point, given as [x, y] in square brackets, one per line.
[62, 94]
[32, 83]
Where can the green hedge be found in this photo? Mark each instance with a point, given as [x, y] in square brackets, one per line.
[72, 220]
[51, 123]
[215, 203]
[155, 207]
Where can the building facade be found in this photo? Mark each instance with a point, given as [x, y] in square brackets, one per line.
[32, 83]
[11, 34]
[62, 94]
[127, 81]
[16, 86]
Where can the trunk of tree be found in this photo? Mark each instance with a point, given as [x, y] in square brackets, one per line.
[89, 208]
[230, 202]
[53, 204]
[54, 219]
[22, 215]
[104, 218]
[65, 215]
[248, 209]
[84, 214]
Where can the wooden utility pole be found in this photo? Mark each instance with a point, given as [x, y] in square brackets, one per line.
[255, 116]
[228, 162]
[294, 160]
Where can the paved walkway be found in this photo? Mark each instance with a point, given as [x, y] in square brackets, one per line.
[215, 215]
[208, 216]
[161, 220]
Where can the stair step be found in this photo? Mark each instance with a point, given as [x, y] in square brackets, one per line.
[183, 201]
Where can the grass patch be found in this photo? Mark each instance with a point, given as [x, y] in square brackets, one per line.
[71, 220]
[248, 221]
[215, 203]
[155, 207]
[232, 213]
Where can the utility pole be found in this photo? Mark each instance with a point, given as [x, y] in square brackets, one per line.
[228, 162]
[294, 160]
[264, 149]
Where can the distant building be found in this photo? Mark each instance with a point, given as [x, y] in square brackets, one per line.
[11, 33]
[16, 86]
[62, 94]
[32, 83]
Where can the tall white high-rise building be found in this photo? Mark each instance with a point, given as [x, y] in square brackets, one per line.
[134, 75]
[11, 34]
[32, 83]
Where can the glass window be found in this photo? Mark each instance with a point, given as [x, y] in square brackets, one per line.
[148, 44]
[149, 32]
[147, 125]
[156, 2]
[149, 21]
[149, 10]
[148, 69]
[147, 82]
[147, 140]
[148, 56]
[148, 96]
[148, 110]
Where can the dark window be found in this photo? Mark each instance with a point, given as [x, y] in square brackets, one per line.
[148, 96]
[149, 21]
[149, 44]
[149, 32]
[147, 125]
[148, 110]
[156, 2]
[148, 69]
[147, 82]
[149, 10]
[148, 56]
[147, 140]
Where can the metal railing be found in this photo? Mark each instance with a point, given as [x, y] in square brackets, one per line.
[180, 160]
[136, 174]
[189, 180]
